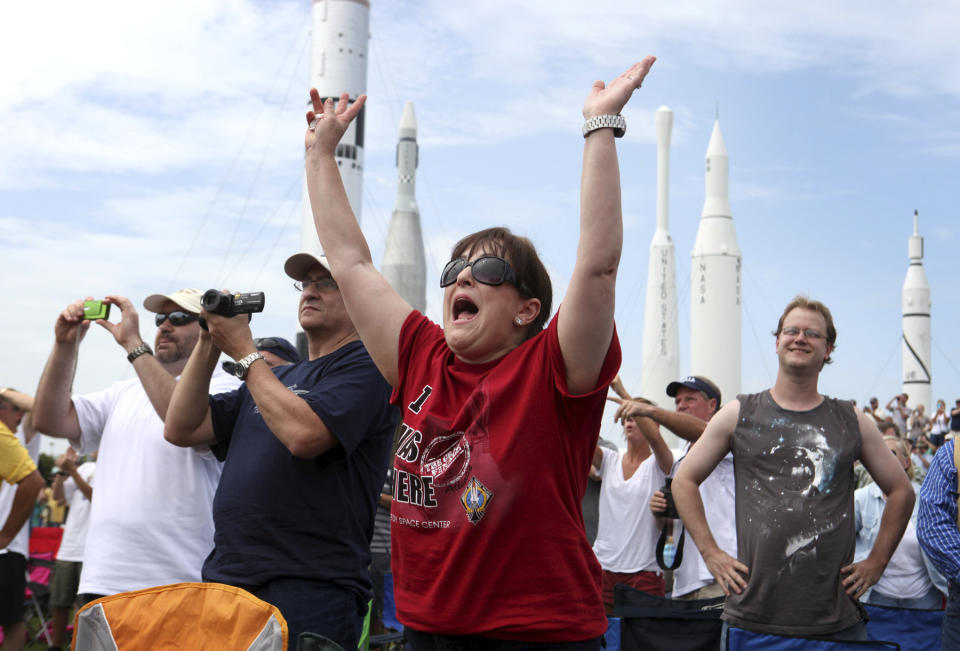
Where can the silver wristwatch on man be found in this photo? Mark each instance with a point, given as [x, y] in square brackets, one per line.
[243, 365]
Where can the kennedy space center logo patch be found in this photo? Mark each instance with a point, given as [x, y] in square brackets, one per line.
[475, 499]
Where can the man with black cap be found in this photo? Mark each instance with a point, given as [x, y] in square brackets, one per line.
[150, 523]
[305, 449]
[696, 399]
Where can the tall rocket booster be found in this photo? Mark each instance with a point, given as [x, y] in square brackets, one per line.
[715, 280]
[338, 64]
[404, 263]
[660, 345]
[916, 324]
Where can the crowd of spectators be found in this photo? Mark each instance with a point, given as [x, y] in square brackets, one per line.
[789, 507]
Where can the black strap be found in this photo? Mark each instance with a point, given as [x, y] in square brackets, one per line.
[678, 557]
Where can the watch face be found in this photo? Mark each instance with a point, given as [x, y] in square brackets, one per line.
[240, 370]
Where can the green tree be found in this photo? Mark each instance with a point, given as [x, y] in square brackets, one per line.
[45, 465]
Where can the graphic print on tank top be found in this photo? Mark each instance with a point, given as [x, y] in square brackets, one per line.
[444, 468]
[790, 496]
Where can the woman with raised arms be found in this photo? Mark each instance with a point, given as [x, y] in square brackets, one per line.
[501, 414]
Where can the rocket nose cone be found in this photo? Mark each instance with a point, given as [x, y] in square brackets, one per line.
[408, 120]
[716, 146]
[663, 122]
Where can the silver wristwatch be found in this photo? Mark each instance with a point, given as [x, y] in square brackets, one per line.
[142, 349]
[243, 365]
[616, 122]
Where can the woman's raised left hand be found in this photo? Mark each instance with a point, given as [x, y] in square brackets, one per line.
[610, 100]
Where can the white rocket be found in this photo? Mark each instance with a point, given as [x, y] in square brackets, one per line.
[916, 324]
[338, 64]
[404, 263]
[715, 280]
[660, 345]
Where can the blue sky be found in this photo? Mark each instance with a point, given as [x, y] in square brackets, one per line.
[147, 147]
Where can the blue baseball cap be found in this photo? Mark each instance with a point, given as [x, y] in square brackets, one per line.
[279, 347]
[697, 383]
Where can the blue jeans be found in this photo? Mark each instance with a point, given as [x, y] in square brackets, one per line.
[930, 601]
[316, 607]
[950, 634]
[429, 642]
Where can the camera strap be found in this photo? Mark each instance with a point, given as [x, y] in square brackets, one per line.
[678, 556]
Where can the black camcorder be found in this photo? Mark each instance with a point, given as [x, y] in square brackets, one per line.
[216, 302]
[226, 304]
[671, 510]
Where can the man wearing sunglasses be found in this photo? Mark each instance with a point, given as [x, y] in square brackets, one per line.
[150, 523]
[793, 456]
[305, 450]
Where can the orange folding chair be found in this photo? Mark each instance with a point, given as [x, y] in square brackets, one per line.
[180, 616]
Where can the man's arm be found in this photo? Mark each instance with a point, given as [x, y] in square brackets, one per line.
[895, 484]
[19, 399]
[68, 464]
[685, 426]
[23, 501]
[58, 495]
[54, 412]
[188, 422]
[291, 419]
[937, 515]
[585, 321]
[156, 380]
[700, 461]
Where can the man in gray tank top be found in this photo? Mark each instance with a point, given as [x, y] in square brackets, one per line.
[793, 452]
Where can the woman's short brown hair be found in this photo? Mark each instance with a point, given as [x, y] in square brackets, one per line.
[522, 256]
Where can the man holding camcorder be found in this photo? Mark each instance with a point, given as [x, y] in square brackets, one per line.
[305, 448]
[151, 522]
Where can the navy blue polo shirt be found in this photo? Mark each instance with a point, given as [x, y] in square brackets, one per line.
[277, 515]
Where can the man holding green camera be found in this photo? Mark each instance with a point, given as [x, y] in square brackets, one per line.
[151, 522]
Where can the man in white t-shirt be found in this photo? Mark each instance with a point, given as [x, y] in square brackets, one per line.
[696, 400]
[151, 523]
[72, 486]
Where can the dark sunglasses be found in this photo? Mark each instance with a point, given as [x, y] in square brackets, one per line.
[177, 318]
[489, 270]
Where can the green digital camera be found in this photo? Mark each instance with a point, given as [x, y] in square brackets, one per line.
[93, 310]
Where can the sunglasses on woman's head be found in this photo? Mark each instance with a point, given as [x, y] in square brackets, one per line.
[177, 318]
[488, 269]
